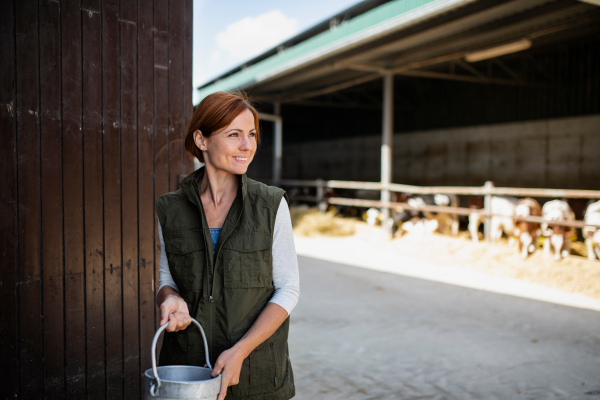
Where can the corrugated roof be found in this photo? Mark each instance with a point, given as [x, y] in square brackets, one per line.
[360, 7]
[375, 23]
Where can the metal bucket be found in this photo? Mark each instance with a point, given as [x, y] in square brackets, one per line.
[180, 381]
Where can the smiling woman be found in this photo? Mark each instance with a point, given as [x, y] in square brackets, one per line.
[228, 259]
[216, 112]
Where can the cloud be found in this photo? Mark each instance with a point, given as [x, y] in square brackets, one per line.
[251, 36]
[215, 55]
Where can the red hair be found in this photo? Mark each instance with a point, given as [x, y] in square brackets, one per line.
[216, 111]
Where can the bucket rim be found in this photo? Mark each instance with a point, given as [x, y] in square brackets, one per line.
[149, 374]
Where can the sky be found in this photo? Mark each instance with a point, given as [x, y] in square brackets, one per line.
[229, 32]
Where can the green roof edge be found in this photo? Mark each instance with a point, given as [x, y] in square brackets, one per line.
[371, 18]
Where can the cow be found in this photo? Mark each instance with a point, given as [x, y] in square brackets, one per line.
[443, 220]
[503, 210]
[527, 232]
[592, 233]
[420, 226]
[373, 216]
[556, 237]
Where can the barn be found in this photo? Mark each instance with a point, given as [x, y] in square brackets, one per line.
[454, 92]
[95, 95]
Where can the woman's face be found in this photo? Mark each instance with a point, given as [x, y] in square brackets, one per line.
[231, 148]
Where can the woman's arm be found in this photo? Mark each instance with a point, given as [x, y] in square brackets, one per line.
[164, 273]
[172, 306]
[287, 291]
[285, 262]
[229, 363]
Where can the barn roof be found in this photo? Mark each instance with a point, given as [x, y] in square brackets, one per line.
[406, 37]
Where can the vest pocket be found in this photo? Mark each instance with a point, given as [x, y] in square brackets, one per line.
[262, 367]
[186, 256]
[247, 260]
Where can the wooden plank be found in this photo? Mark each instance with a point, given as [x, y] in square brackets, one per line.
[445, 209]
[93, 197]
[161, 113]
[590, 162]
[478, 161]
[146, 180]
[505, 166]
[72, 159]
[52, 201]
[457, 162]
[176, 83]
[129, 201]
[401, 160]
[564, 156]
[29, 207]
[112, 199]
[531, 157]
[437, 163]
[9, 312]
[460, 190]
[188, 107]
[417, 167]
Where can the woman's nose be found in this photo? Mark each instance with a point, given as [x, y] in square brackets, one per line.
[246, 144]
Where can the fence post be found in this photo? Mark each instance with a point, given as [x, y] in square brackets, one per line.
[321, 204]
[487, 203]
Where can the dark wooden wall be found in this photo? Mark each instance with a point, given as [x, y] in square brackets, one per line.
[94, 98]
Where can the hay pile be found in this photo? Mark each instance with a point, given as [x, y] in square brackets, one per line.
[574, 274]
[310, 222]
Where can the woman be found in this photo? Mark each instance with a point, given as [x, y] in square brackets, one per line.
[228, 259]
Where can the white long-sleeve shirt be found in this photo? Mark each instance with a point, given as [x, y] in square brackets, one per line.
[286, 279]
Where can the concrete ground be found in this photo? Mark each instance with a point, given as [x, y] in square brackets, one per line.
[363, 334]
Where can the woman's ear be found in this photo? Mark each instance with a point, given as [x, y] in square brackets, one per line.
[200, 140]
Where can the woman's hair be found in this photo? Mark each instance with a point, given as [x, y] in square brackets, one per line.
[216, 111]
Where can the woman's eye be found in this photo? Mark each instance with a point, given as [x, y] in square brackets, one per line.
[252, 134]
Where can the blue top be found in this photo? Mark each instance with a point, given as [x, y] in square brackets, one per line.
[214, 234]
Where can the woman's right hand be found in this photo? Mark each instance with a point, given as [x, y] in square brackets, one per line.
[174, 310]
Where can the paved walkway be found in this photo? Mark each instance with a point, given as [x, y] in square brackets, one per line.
[363, 334]
[371, 250]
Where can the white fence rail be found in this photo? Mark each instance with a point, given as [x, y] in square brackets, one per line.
[487, 191]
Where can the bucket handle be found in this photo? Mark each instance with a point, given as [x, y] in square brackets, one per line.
[154, 387]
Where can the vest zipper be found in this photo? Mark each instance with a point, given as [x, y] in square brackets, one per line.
[211, 300]
[216, 255]
[275, 362]
[209, 271]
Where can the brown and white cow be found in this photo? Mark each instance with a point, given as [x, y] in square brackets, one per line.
[592, 233]
[503, 209]
[421, 221]
[527, 232]
[557, 238]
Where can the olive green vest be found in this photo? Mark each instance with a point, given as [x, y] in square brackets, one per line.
[227, 292]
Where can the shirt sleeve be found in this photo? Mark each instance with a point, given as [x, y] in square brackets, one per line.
[286, 278]
[164, 273]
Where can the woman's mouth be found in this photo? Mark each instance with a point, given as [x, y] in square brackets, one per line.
[241, 159]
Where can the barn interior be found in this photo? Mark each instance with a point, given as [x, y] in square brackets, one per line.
[454, 93]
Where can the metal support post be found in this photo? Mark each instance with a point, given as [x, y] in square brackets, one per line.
[321, 203]
[277, 147]
[487, 204]
[386, 146]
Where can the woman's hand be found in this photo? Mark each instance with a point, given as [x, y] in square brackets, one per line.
[174, 310]
[229, 365]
